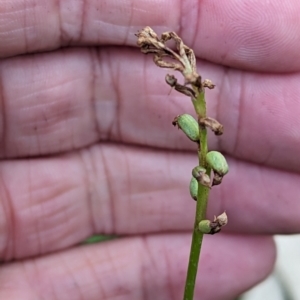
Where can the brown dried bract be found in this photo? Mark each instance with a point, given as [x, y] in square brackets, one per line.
[183, 59]
[217, 179]
[213, 124]
[208, 84]
[218, 222]
[171, 80]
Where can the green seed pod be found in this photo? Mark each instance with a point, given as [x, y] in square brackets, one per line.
[217, 162]
[194, 188]
[188, 125]
[205, 226]
[215, 226]
[198, 171]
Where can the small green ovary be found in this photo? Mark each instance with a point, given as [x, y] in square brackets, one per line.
[188, 125]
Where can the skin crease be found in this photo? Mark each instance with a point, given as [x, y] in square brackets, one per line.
[87, 147]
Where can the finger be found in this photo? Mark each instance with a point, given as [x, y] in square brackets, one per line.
[53, 203]
[66, 100]
[255, 35]
[152, 267]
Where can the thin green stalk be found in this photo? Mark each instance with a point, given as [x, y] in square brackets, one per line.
[202, 198]
[184, 61]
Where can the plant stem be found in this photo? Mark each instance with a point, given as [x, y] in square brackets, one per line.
[202, 197]
[183, 60]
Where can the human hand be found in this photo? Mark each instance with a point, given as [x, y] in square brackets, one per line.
[87, 147]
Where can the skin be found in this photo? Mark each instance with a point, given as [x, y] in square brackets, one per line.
[87, 147]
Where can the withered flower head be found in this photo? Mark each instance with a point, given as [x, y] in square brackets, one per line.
[181, 59]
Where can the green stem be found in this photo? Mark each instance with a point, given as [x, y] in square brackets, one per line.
[202, 198]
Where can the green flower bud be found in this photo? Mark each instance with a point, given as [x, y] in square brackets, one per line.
[188, 125]
[217, 162]
[198, 171]
[215, 226]
[204, 226]
[200, 174]
[194, 188]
